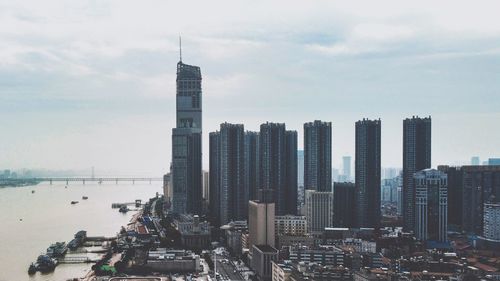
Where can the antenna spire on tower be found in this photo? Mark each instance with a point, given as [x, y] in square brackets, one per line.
[180, 49]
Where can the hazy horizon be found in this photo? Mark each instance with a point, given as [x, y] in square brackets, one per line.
[93, 84]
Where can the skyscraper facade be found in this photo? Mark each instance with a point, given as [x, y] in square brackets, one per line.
[367, 173]
[231, 190]
[319, 210]
[186, 142]
[431, 209]
[277, 156]
[416, 157]
[318, 156]
[469, 189]
[252, 163]
[343, 202]
[214, 178]
[291, 188]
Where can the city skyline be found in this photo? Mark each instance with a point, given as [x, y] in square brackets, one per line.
[106, 99]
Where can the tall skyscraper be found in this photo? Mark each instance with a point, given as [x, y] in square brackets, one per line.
[252, 164]
[186, 142]
[431, 210]
[367, 173]
[416, 157]
[277, 149]
[343, 202]
[318, 156]
[319, 210]
[346, 167]
[232, 194]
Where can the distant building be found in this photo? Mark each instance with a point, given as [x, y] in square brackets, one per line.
[390, 189]
[416, 157]
[300, 168]
[493, 161]
[278, 165]
[367, 173]
[346, 167]
[206, 195]
[167, 187]
[474, 161]
[186, 142]
[318, 156]
[431, 205]
[343, 202]
[492, 222]
[319, 210]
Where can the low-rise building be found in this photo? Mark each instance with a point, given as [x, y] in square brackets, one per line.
[163, 260]
[262, 258]
[195, 235]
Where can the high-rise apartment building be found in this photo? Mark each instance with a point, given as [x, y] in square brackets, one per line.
[416, 157]
[319, 210]
[367, 193]
[231, 189]
[469, 188]
[318, 156]
[431, 205]
[186, 142]
[278, 165]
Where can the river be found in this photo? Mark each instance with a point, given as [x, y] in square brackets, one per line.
[30, 222]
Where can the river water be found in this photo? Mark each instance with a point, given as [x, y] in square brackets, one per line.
[47, 216]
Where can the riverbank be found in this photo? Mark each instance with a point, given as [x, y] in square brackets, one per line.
[47, 216]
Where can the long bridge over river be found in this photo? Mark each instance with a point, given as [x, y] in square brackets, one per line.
[84, 180]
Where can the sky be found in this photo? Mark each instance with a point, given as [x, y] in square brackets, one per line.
[92, 83]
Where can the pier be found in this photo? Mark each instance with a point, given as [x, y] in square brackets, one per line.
[76, 259]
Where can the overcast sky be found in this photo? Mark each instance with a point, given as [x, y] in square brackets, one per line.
[92, 83]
